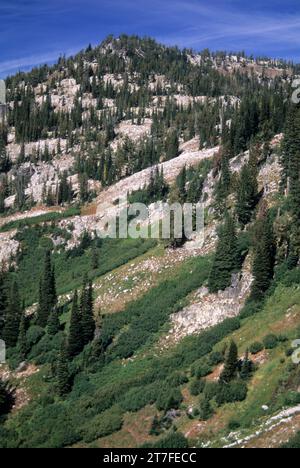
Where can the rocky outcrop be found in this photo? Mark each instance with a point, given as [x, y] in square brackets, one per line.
[208, 310]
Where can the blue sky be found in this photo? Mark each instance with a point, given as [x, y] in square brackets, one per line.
[33, 32]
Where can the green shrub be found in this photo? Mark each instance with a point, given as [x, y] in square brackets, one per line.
[168, 398]
[256, 347]
[138, 397]
[233, 425]
[171, 441]
[102, 425]
[292, 398]
[294, 443]
[230, 393]
[211, 390]
[270, 341]
[34, 334]
[176, 379]
[202, 370]
[250, 308]
[197, 387]
[215, 358]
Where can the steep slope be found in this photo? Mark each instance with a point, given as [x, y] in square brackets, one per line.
[155, 318]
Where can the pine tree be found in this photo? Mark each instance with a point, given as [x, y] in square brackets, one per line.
[264, 260]
[63, 373]
[22, 340]
[206, 410]
[247, 194]
[3, 300]
[181, 186]
[223, 186]
[231, 364]
[94, 258]
[47, 294]
[246, 367]
[53, 322]
[12, 317]
[226, 258]
[290, 148]
[87, 314]
[75, 341]
[172, 145]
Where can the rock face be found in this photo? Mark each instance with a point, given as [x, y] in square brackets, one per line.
[137, 181]
[8, 247]
[210, 309]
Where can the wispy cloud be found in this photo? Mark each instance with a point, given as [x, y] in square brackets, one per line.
[32, 60]
[269, 27]
[223, 21]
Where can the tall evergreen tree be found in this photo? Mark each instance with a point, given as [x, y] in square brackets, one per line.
[231, 364]
[63, 373]
[226, 258]
[47, 293]
[53, 322]
[264, 260]
[247, 190]
[12, 317]
[172, 145]
[223, 186]
[87, 314]
[75, 341]
[22, 340]
[3, 300]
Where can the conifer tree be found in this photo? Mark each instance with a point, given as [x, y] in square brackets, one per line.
[264, 260]
[3, 300]
[247, 189]
[231, 364]
[53, 322]
[206, 410]
[226, 258]
[63, 373]
[12, 317]
[22, 340]
[181, 186]
[87, 314]
[172, 145]
[75, 341]
[47, 293]
[223, 186]
[246, 367]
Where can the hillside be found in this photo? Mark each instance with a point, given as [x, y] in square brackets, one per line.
[150, 342]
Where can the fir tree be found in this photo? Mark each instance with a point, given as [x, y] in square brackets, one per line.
[206, 410]
[75, 341]
[3, 300]
[172, 145]
[22, 340]
[226, 258]
[12, 317]
[94, 258]
[53, 322]
[223, 186]
[246, 367]
[87, 314]
[47, 294]
[247, 190]
[264, 260]
[63, 373]
[231, 364]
